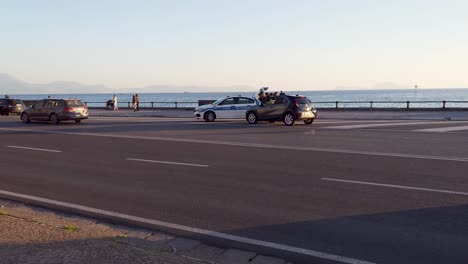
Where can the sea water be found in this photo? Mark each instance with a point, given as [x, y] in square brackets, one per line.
[346, 98]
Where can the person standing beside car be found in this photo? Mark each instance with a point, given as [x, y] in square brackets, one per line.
[114, 101]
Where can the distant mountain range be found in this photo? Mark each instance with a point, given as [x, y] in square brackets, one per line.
[11, 85]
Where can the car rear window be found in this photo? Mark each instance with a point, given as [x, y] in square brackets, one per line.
[72, 103]
[303, 100]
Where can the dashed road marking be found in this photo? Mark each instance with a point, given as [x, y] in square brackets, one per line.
[442, 129]
[168, 162]
[37, 149]
[396, 186]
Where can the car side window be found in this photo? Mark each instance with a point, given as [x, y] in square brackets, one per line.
[244, 100]
[38, 104]
[281, 100]
[269, 101]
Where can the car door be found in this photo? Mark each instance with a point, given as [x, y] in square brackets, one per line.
[242, 105]
[265, 111]
[280, 106]
[33, 111]
[226, 108]
[45, 110]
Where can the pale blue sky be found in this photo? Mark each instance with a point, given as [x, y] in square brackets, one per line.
[293, 45]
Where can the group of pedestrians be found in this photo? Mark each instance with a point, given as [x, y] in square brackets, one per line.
[112, 104]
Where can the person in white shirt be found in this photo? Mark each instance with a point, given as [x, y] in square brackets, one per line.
[114, 101]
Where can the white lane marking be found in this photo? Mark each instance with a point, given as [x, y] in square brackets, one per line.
[396, 186]
[392, 124]
[38, 149]
[169, 162]
[195, 230]
[443, 129]
[253, 145]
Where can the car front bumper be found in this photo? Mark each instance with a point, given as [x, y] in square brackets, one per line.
[305, 115]
[197, 114]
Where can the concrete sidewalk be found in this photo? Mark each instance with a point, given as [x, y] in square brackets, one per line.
[327, 114]
[33, 235]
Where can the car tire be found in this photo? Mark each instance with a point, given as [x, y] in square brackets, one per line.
[25, 118]
[288, 119]
[209, 116]
[78, 120]
[252, 118]
[309, 121]
[54, 119]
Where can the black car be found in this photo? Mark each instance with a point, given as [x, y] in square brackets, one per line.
[55, 110]
[284, 108]
[11, 106]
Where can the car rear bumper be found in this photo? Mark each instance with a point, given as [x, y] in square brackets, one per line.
[73, 116]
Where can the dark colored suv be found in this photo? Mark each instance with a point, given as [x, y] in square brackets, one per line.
[11, 106]
[284, 108]
[55, 110]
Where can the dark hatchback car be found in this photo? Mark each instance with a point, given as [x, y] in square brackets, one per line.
[11, 106]
[55, 110]
[284, 108]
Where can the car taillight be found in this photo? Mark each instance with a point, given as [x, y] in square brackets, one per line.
[68, 109]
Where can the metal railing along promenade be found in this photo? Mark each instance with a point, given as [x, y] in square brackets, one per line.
[337, 105]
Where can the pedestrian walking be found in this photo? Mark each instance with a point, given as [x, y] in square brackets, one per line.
[137, 101]
[114, 101]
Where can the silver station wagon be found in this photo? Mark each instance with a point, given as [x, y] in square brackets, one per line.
[55, 110]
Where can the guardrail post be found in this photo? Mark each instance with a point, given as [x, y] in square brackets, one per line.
[371, 104]
[152, 105]
[86, 103]
[336, 104]
[128, 104]
[407, 104]
[175, 105]
[443, 104]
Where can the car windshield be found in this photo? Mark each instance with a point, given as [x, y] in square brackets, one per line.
[71, 103]
[219, 101]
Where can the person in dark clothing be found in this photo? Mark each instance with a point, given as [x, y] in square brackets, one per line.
[137, 101]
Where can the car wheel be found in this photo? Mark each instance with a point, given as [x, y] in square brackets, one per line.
[288, 119]
[25, 118]
[54, 119]
[209, 116]
[309, 121]
[252, 118]
[78, 120]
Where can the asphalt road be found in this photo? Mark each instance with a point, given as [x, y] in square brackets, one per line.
[376, 191]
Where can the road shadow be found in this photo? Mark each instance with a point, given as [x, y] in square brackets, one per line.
[429, 235]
